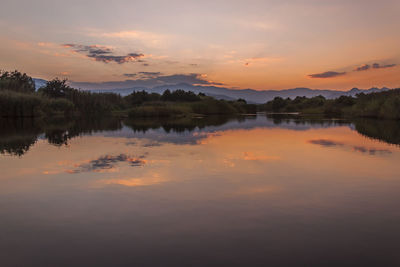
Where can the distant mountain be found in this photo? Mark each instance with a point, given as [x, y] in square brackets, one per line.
[39, 83]
[250, 95]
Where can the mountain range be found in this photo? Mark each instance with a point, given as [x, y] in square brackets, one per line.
[250, 95]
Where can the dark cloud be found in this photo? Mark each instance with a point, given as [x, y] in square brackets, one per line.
[104, 54]
[108, 162]
[143, 75]
[371, 151]
[89, 49]
[328, 74]
[325, 142]
[378, 66]
[363, 67]
[192, 78]
[149, 75]
[130, 75]
[118, 59]
[374, 66]
[157, 73]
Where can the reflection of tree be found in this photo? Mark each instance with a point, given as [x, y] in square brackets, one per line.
[298, 119]
[177, 125]
[17, 136]
[384, 130]
[59, 132]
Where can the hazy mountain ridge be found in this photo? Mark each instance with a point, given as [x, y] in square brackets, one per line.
[39, 82]
[250, 95]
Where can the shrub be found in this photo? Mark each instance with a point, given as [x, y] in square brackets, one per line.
[14, 104]
[157, 111]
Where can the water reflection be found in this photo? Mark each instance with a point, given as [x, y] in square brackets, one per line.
[357, 148]
[202, 192]
[17, 136]
[108, 163]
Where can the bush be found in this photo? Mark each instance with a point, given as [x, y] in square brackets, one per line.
[59, 106]
[14, 104]
[157, 111]
[214, 107]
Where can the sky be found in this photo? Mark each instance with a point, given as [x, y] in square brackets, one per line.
[268, 44]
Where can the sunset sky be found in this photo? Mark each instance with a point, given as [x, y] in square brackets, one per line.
[268, 44]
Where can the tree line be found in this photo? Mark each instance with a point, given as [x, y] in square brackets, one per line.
[18, 98]
[384, 104]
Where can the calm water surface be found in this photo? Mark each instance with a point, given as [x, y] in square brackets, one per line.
[256, 191]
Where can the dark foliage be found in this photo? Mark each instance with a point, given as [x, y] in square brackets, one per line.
[179, 96]
[375, 105]
[17, 82]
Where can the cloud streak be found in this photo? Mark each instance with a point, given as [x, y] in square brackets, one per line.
[104, 54]
[374, 66]
[143, 75]
[325, 142]
[327, 74]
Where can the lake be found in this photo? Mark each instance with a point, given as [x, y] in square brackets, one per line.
[250, 191]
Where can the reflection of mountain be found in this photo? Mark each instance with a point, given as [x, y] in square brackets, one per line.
[17, 136]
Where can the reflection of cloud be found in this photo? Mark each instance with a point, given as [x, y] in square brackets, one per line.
[327, 74]
[152, 144]
[103, 54]
[107, 163]
[325, 142]
[371, 151]
[131, 143]
[132, 182]
[260, 190]
[254, 157]
[229, 163]
[361, 149]
[233, 159]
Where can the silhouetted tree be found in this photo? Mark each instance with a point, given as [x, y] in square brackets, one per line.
[17, 82]
[56, 88]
